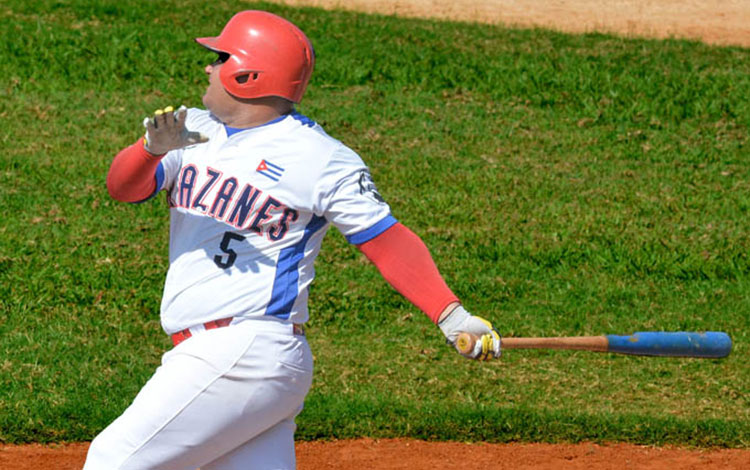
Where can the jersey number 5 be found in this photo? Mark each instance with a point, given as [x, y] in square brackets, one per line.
[231, 255]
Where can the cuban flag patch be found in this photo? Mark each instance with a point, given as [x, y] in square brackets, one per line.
[270, 170]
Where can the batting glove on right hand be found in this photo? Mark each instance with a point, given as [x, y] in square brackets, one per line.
[460, 321]
[166, 131]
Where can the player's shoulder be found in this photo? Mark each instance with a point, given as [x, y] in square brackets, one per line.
[308, 130]
[317, 138]
[201, 119]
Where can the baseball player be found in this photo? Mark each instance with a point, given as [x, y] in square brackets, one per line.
[252, 187]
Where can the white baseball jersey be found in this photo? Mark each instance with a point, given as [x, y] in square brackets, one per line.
[249, 210]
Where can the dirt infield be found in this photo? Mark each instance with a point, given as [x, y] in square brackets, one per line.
[395, 454]
[721, 22]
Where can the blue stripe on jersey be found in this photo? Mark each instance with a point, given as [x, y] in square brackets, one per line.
[284, 291]
[159, 177]
[372, 232]
[306, 121]
[233, 130]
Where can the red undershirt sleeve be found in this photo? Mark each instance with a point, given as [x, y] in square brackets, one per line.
[131, 176]
[405, 262]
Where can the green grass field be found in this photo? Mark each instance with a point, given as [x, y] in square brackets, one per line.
[566, 185]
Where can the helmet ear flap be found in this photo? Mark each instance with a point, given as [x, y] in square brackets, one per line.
[237, 80]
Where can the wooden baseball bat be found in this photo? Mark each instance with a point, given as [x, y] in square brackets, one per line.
[709, 344]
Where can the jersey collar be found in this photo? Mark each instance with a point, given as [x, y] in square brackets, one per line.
[234, 130]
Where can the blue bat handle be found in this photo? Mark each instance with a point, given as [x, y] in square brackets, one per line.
[660, 343]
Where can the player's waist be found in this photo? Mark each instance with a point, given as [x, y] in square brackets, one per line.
[257, 325]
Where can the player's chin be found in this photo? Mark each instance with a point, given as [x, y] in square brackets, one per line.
[208, 104]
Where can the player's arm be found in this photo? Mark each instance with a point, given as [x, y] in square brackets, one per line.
[136, 174]
[405, 262]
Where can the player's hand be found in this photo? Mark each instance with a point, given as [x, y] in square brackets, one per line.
[461, 321]
[166, 131]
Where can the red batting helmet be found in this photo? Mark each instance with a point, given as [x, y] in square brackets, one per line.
[269, 56]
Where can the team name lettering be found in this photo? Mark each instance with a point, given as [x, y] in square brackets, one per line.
[240, 208]
[263, 214]
[219, 207]
[243, 206]
[213, 177]
[185, 186]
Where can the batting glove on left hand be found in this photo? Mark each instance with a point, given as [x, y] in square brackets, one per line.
[166, 131]
[460, 321]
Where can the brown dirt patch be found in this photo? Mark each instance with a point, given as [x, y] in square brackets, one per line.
[395, 454]
[721, 22]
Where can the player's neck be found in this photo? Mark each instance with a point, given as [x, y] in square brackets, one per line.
[256, 112]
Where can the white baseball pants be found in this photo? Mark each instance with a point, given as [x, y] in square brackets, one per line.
[224, 399]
